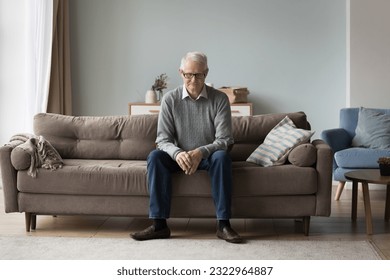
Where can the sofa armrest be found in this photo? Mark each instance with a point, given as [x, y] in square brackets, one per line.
[8, 177]
[337, 138]
[324, 177]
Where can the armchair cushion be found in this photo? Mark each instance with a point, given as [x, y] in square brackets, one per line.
[373, 130]
[359, 157]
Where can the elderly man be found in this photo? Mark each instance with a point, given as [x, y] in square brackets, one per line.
[194, 132]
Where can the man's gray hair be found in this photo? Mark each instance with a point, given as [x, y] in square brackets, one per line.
[198, 57]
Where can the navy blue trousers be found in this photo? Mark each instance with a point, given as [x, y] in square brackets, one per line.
[160, 167]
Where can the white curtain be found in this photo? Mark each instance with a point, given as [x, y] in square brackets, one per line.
[38, 57]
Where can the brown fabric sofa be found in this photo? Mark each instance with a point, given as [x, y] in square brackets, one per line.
[104, 173]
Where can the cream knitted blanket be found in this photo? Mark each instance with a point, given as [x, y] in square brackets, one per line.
[42, 153]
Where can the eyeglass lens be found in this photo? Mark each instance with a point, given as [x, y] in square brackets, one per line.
[191, 75]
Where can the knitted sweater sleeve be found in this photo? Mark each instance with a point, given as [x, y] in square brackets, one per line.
[166, 130]
[223, 129]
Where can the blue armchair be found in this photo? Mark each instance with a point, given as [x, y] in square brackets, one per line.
[346, 157]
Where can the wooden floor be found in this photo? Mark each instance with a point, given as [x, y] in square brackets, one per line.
[336, 227]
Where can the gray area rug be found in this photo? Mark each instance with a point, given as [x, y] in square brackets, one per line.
[65, 248]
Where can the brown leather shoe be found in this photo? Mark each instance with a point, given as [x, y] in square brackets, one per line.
[150, 233]
[229, 235]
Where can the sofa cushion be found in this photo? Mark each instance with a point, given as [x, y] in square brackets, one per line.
[86, 177]
[359, 157]
[108, 137]
[373, 130]
[285, 179]
[278, 143]
[303, 155]
[121, 178]
[251, 180]
[20, 159]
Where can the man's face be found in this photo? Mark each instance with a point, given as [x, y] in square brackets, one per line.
[193, 83]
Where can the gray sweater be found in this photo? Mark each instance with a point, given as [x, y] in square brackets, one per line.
[187, 124]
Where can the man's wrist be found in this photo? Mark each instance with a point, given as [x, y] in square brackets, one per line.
[204, 152]
[176, 153]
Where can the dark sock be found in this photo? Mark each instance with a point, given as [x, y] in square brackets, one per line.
[160, 224]
[223, 223]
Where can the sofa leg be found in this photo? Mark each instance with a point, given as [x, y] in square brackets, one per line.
[27, 221]
[339, 190]
[306, 225]
[33, 221]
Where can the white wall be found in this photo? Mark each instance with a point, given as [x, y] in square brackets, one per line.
[290, 54]
[370, 53]
[12, 68]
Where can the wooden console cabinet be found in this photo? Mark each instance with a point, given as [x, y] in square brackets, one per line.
[238, 109]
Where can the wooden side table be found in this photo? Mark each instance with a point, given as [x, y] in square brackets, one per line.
[366, 176]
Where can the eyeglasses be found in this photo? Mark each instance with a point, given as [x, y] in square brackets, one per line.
[198, 76]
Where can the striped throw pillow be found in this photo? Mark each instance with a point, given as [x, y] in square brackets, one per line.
[278, 143]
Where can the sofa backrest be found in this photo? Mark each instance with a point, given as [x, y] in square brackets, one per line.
[113, 137]
[349, 118]
[133, 137]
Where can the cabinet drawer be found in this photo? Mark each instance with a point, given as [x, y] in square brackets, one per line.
[143, 109]
[244, 109]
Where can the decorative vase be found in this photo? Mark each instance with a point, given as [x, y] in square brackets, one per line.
[150, 96]
[384, 169]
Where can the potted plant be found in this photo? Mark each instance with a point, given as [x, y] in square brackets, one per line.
[160, 83]
[384, 166]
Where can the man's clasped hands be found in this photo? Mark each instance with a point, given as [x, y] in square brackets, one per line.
[189, 161]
